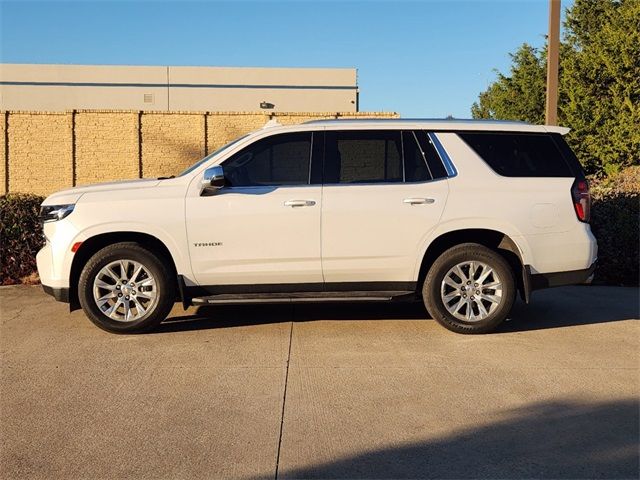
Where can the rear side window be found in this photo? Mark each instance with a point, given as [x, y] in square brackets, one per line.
[380, 156]
[519, 154]
[415, 167]
[363, 157]
[431, 155]
[568, 154]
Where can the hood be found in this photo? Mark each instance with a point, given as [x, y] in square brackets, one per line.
[72, 195]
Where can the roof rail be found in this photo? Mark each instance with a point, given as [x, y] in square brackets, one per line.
[399, 120]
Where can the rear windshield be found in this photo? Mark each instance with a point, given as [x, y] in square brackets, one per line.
[524, 154]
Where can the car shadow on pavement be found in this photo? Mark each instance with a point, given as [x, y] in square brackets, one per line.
[226, 316]
[564, 439]
[552, 308]
[573, 306]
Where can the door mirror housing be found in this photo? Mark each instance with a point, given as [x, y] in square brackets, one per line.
[212, 180]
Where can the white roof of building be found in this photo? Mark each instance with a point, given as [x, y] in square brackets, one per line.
[439, 124]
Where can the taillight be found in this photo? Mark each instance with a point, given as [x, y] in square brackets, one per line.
[581, 199]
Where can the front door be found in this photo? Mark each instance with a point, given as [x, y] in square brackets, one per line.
[263, 228]
[384, 190]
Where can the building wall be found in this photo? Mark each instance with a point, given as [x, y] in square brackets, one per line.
[39, 153]
[166, 88]
[106, 146]
[171, 142]
[50, 151]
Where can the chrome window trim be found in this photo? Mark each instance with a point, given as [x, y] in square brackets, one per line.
[375, 184]
[444, 157]
[273, 187]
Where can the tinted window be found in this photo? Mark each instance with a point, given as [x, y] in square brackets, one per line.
[519, 154]
[363, 157]
[431, 155]
[415, 166]
[568, 155]
[211, 155]
[277, 160]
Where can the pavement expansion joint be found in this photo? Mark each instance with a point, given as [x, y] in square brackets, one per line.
[284, 401]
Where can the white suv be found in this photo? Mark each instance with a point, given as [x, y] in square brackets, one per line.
[459, 213]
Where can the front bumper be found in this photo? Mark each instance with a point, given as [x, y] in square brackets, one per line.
[51, 261]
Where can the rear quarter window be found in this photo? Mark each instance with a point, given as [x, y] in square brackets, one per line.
[520, 154]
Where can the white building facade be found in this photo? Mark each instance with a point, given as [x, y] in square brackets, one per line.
[35, 87]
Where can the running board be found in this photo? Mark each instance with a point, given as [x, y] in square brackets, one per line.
[236, 299]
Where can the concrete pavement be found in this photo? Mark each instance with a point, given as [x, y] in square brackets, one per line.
[322, 391]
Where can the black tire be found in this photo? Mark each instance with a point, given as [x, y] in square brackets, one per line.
[165, 285]
[431, 290]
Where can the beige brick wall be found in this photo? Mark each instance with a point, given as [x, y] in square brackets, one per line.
[171, 142]
[106, 147]
[40, 159]
[224, 127]
[107, 143]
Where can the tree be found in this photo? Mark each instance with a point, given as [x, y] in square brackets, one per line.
[516, 96]
[599, 84]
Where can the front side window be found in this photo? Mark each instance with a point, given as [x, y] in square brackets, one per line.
[277, 160]
[211, 155]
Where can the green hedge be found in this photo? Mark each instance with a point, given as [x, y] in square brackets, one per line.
[20, 236]
[614, 221]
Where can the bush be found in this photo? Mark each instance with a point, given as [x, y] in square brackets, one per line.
[615, 223]
[20, 236]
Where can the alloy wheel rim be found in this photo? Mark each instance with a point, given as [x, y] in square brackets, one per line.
[471, 291]
[125, 290]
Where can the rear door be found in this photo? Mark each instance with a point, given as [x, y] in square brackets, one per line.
[383, 191]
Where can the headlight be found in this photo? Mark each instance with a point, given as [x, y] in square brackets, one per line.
[53, 213]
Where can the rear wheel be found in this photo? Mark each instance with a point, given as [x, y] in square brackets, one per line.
[469, 289]
[125, 288]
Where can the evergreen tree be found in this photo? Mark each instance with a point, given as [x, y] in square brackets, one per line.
[599, 84]
[516, 96]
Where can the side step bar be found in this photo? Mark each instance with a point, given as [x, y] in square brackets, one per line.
[237, 299]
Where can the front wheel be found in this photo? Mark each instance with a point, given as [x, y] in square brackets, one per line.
[469, 289]
[125, 288]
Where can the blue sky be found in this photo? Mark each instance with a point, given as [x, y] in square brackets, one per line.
[420, 58]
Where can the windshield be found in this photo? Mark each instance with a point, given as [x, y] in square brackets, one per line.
[211, 155]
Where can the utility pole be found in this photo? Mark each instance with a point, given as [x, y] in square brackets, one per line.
[553, 48]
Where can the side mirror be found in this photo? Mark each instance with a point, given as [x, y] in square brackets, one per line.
[212, 180]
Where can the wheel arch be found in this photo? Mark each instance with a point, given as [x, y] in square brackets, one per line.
[496, 240]
[96, 242]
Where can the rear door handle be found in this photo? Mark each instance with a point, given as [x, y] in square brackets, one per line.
[299, 203]
[419, 201]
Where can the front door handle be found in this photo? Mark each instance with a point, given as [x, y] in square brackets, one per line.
[299, 203]
[419, 201]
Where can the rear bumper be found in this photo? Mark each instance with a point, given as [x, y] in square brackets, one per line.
[60, 294]
[557, 279]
